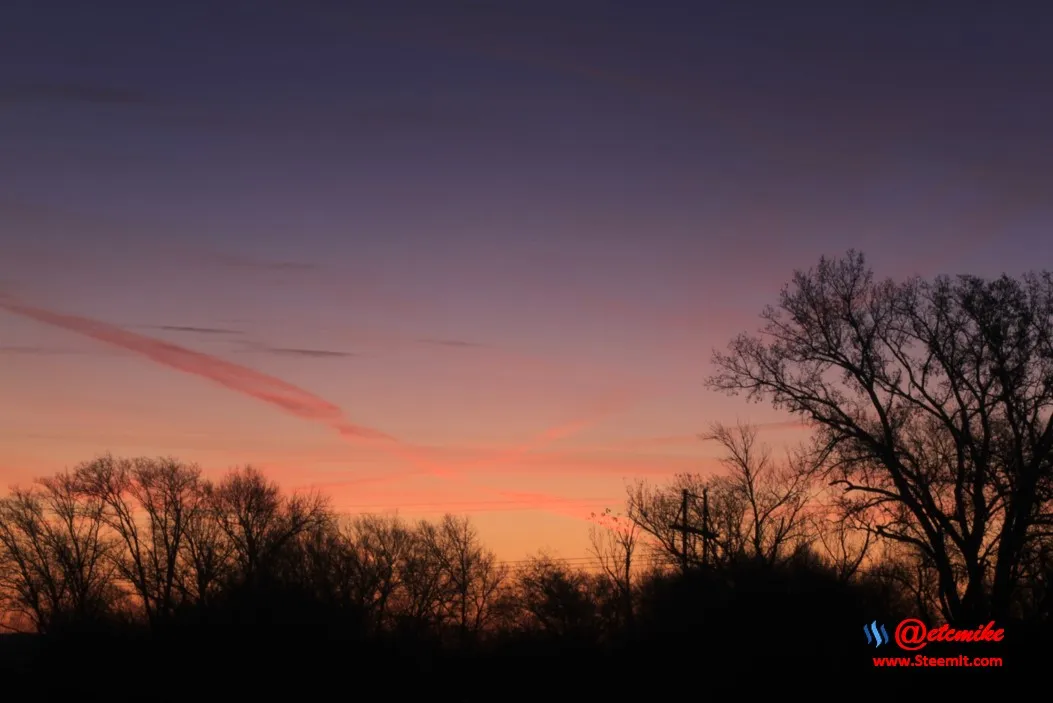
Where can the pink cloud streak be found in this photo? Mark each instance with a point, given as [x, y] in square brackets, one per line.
[240, 379]
[604, 409]
[268, 389]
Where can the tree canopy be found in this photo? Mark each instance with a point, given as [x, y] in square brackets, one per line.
[931, 403]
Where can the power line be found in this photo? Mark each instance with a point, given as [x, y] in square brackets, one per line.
[531, 560]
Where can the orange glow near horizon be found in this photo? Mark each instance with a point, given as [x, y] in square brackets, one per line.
[477, 258]
[516, 488]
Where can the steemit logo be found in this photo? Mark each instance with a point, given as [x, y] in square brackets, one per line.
[876, 634]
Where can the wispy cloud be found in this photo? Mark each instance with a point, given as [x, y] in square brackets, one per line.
[425, 501]
[273, 391]
[195, 330]
[451, 343]
[575, 508]
[30, 350]
[312, 353]
[637, 443]
[580, 463]
[297, 401]
[382, 117]
[605, 408]
[307, 353]
[89, 93]
[249, 263]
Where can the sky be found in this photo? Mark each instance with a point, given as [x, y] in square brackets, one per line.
[469, 256]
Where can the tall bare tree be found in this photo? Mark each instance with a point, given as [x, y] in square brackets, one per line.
[931, 402]
[55, 556]
[425, 588]
[148, 504]
[557, 599]
[207, 555]
[655, 509]
[767, 501]
[471, 572]
[841, 544]
[380, 546]
[259, 521]
[756, 506]
[613, 542]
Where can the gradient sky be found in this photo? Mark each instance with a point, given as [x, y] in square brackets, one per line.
[505, 237]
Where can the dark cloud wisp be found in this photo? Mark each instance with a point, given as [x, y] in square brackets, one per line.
[31, 350]
[253, 347]
[195, 330]
[313, 353]
[245, 263]
[462, 343]
[85, 93]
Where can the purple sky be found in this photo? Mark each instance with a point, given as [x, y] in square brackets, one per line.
[468, 227]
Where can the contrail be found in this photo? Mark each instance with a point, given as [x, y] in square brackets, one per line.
[285, 396]
[609, 407]
[268, 389]
[508, 456]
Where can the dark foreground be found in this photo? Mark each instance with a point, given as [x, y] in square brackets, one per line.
[776, 637]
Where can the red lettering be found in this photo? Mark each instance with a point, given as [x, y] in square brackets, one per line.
[911, 634]
[989, 634]
[937, 635]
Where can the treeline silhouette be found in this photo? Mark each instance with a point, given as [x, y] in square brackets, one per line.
[181, 587]
[925, 490]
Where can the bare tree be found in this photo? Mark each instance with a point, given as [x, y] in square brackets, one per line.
[259, 521]
[167, 492]
[766, 503]
[1036, 594]
[756, 508]
[471, 572]
[33, 583]
[425, 587]
[904, 576]
[932, 405]
[379, 547]
[557, 599]
[318, 563]
[841, 544]
[656, 509]
[148, 504]
[613, 541]
[728, 520]
[206, 558]
[54, 555]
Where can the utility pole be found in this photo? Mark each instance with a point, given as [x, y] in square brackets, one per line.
[705, 526]
[685, 528]
[683, 531]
